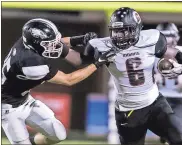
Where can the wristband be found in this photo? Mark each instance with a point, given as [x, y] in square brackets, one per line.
[98, 64]
[77, 40]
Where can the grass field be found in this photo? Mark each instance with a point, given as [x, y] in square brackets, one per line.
[5, 142]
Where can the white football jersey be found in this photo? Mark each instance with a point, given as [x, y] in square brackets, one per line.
[132, 70]
[170, 87]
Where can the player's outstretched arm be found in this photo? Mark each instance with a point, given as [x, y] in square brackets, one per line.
[79, 40]
[81, 74]
[75, 46]
[74, 77]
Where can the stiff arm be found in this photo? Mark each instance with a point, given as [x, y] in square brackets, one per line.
[74, 77]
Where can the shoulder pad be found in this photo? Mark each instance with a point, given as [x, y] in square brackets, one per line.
[148, 38]
[102, 44]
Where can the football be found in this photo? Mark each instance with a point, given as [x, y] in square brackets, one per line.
[164, 64]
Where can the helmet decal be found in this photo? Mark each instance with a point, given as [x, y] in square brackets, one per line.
[38, 33]
[117, 24]
[136, 17]
[49, 23]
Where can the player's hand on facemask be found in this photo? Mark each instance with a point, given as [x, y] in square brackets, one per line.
[172, 73]
[104, 58]
[88, 36]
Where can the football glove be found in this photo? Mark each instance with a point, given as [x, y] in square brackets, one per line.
[88, 36]
[82, 39]
[104, 58]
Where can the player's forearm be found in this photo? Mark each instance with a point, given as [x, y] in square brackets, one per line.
[74, 77]
[66, 40]
[75, 43]
[173, 54]
[80, 75]
[74, 40]
[73, 57]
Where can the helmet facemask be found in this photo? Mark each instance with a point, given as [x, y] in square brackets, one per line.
[124, 37]
[53, 48]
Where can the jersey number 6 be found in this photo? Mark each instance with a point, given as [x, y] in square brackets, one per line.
[136, 76]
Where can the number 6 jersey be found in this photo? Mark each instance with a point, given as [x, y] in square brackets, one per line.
[132, 69]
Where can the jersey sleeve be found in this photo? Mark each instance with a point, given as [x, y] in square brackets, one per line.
[94, 49]
[97, 46]
[88, 54]
[52, 71]
[38, 68]
[161, 46]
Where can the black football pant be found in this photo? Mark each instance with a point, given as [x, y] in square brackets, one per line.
[176, 105]
[158, 117]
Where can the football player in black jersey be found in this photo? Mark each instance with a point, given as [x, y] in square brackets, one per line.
[171, 88]
[139, 105]
[26, 66]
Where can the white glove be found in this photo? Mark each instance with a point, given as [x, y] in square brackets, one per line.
[177, 70]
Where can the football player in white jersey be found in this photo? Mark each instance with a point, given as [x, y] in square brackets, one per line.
[171, 88]
[139, 105]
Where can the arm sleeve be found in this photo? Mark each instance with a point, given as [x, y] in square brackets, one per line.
[89, 50]
[161, 46]
[90, 54]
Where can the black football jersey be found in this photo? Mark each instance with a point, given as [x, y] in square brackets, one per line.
[23, 69]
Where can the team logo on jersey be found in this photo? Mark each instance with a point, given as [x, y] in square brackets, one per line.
[38, 33]
[136, 17]
[131, 54]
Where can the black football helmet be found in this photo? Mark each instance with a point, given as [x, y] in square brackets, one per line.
[171, 32]
[42, 36]
[125, 26]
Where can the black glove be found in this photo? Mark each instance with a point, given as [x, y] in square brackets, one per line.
[82, 39]
[88, 36]
[104, 58]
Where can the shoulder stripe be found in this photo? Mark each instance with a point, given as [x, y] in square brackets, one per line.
[36, 72]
